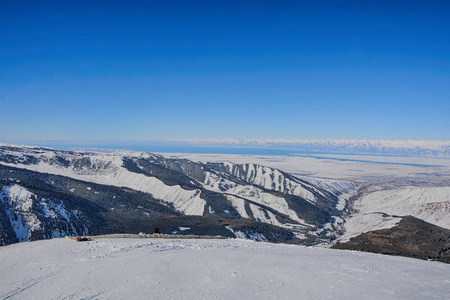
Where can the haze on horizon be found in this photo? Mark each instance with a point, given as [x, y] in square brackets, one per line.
[147, 71]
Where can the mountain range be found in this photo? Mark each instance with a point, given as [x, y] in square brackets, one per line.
[47, 193]
[51, 193]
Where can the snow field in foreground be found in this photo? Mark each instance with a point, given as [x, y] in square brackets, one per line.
[209, 269]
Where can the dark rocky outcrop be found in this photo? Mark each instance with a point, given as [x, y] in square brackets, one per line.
[411, 237]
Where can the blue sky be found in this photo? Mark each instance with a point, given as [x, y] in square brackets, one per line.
[89, 71]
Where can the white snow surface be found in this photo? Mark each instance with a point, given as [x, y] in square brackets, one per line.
[239, 204]
[210, 269]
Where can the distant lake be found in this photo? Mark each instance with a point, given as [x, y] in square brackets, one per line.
[179, 148]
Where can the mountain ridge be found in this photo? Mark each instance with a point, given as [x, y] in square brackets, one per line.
[227, 191]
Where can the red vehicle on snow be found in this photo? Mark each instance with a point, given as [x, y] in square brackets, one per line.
[83, 238]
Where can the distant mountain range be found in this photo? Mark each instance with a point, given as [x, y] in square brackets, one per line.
[386, 147]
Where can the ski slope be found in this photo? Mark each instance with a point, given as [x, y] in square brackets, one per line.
[210, 269]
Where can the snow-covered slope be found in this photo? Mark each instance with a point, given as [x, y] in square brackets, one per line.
[210, 269]
[431, 204]
[381, 210]
[106, 168]
[270, 179]
[276, 180]
[26, 216]
[19, 202]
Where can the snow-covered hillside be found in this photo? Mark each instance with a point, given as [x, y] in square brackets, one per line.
[380, 210]
[106, 168]
[32, 217]
[276, 180]
[210, 269]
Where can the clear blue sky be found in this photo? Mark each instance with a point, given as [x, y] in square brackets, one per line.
[151, 70]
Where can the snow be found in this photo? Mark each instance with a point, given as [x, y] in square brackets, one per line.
[271, 179]
[344, 199]
[21, 212]
[47, 212]
[239, 204]
[210, 269]
[259, 214]
[331, 166]
[431, 204]
[108, 170]
[20, 201]
[216, 183]
[365, 222]
[378, 210]
[264, 198]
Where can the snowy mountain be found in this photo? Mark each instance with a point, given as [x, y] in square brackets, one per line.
[47, 193]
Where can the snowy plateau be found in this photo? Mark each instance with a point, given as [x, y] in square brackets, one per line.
[210, 269]
[252, 206]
